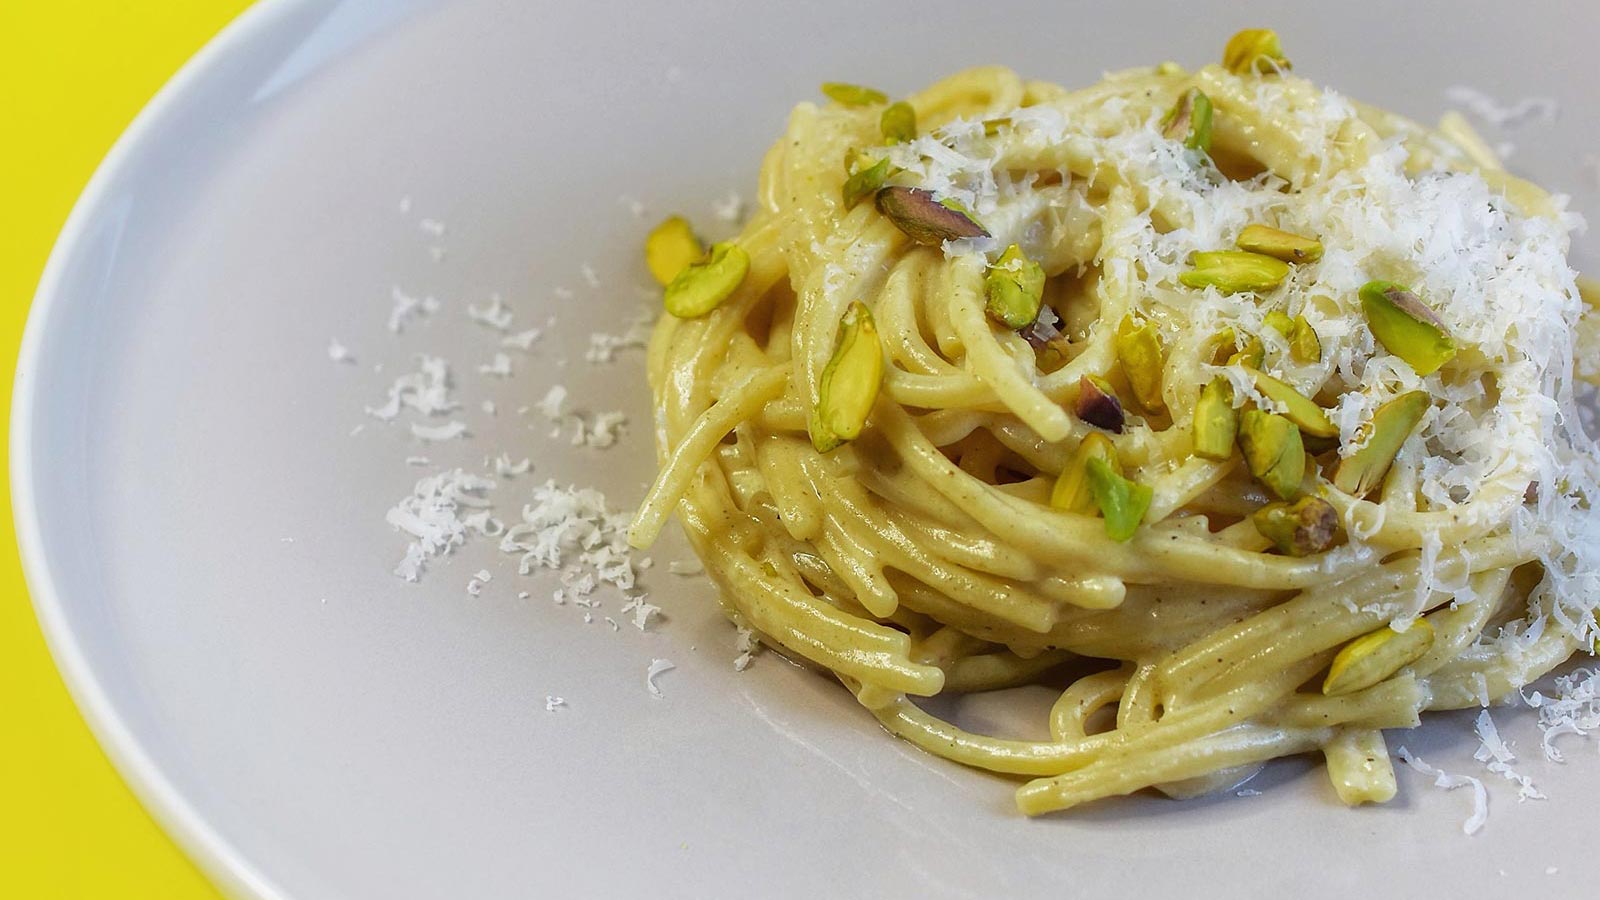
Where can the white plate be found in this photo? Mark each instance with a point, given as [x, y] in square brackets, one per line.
[309, 726]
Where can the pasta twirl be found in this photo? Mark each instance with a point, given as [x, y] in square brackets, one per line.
[946, 546]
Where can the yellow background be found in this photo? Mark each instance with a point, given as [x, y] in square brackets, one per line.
[72, 75]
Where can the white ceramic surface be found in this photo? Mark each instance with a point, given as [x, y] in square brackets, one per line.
[310, 727]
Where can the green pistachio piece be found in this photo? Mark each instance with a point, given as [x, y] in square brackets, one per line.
[898, 122]
[1122, 501]
[1254, 49]
[1139, 350]
[1098, 405]
[1273, 451]
[853, 94]
[1304, 345]
[1406, 327]
[670, 248]
[1301, 528]
[1371, 658]
[923, 218]
[1362, 471]
[703, 285]
[1298, 408]
[1189, 121]
[1169, 69]
[850, 381]
[1216, 422]
[1280, 321]
[1251, 355]
[1279, 244]
[864, 181]
[1234, 271]
[1072, 492]
[991, 127]
[1014, 287]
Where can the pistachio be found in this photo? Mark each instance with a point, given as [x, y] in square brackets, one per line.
[1391, 424]
[850, 381]
[1298, 408]
[1279, 244]
[1304, 345]
[1014, 287]
[1301, 528]
[1279, 321]
[703, 285]
[1254, 49]
[1374, 657]
[923, 218]
[1122, 501]
[1169, 69]
[1273, 451]
[1072, 492]
[898, 122]
[991, 127]
[669, 248]
[1234, 271]
[1098, 405]
[1189, 121]
[864, 180]
[1406, 326]
[853, 94]
[1139, 349]
[1216, 422]
[1251, 355]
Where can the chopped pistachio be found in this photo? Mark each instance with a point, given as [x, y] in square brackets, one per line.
[1098, 405]
[865, 180]
[1301, 528]
[1304, 345]
[703, 285]
[1014, 287]
[1254, 49]
[1234, 271]
[1251, 355]
[1371, 658]
[1282, 245]
[1072, 492]
[1169, 69]
[1406, 326]
[991, 127]
[850, 381]
[1189, 121]
[853, 94]
[1362, 471]
[1139, 349]
[1298, 408]
[1122, 501]
[923, 218]
[1273, 451]
[1280, 321]
[669, 248]
[1216, 422]
[898, 122]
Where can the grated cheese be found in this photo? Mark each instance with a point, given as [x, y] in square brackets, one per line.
[1501, 115]
[657, 666]
[504, 467]
[426, 391]
[339, 352]
[522, 340]
[496, 315]
[431, 515]
[552, 703]
[499, 366]
[477, 581]
[746, 645]
[1480, 796]
[408, 309]
[551, 407]
[1496, 756]
[432, 226]
[729, 209]
[449, 431]
[642, 612]
[603, 347]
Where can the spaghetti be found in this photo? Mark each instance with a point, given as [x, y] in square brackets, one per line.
[962, 540]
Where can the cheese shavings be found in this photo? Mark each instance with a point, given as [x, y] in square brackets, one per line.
[562, 522]
[432, 516]
[497, 315]
[657, 666]
[1480, 796]
[1496, 756]
[427, 391]
[449, 431]
[1574, 710]
[339, 352]
[408, 309]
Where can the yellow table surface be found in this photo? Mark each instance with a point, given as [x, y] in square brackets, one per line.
[72, 75]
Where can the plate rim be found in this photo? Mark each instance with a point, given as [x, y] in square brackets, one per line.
[222, 863]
